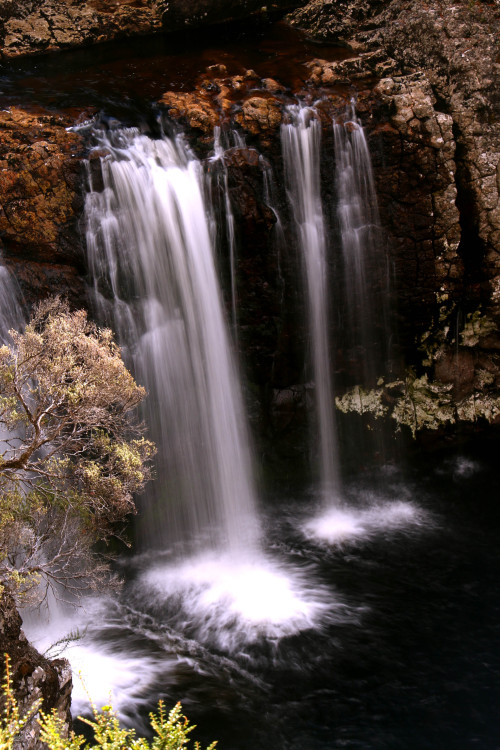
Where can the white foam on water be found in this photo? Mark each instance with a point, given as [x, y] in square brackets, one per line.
[101, 674]
[109, 678]
[338, 525]
[232, 602]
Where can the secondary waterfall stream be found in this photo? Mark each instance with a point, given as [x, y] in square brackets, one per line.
[366, 277]
[301, 141]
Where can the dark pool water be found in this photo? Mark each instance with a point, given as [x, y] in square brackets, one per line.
[124, 78]
[405, 650]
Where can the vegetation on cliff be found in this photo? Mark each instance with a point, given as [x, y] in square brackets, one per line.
[171, 730]
[71, 454]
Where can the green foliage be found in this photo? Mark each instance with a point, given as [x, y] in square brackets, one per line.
[11, 721]
[73, 456]
[171, 730]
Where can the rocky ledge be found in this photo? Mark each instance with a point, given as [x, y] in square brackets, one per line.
[30, 27]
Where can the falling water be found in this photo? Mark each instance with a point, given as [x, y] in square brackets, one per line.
[301, 140]
[365, 263]
[11, 304]
[151, 258]
[219, 152]
[11, 317]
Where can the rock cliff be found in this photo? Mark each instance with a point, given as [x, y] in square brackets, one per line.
[34, 678]
[40, 188]
[38, 26]
[440, 81]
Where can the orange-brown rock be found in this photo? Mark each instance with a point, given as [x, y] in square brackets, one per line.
[217, 98]
[260, 115]
[196, 108]
[39, 186]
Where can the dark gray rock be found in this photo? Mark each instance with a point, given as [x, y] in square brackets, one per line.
[34, 678]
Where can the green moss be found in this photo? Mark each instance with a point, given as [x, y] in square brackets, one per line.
[363, 402]
[420, 404]
[476, 327]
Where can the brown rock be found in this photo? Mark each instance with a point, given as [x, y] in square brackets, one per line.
[194, 108]
[39, 186]
[33, 676]
[260, 115]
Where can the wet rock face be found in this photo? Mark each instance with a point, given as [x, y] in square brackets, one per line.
[437, 166]
[456, 47]
[34, 677]
[36, 26]
[48, 25]
[414, 155]
[40, 189]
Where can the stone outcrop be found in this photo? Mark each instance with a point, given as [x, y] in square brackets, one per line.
[416, 185]
[223, 100]
[438, 178]
[34, 678]
[37, 26]
[456, 48]
[40, 204]
[40, 26]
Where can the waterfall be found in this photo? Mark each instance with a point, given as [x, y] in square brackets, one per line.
[365, 265]
[219, 152]
[11, 305]
[11, 317]
[151, 258]
[301, 141]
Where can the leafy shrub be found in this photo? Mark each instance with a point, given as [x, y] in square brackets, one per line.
[171, 730]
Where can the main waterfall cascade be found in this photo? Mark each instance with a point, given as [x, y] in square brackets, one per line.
[209, 594]
[291, 616]
[151, 259]
[149, 245]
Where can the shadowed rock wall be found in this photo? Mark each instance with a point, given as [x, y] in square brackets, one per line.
[33, 677]
[30, 27]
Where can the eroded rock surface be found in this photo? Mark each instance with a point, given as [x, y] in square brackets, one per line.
[33, 677]
[455, 46]
[40, 202]
[36, 26]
